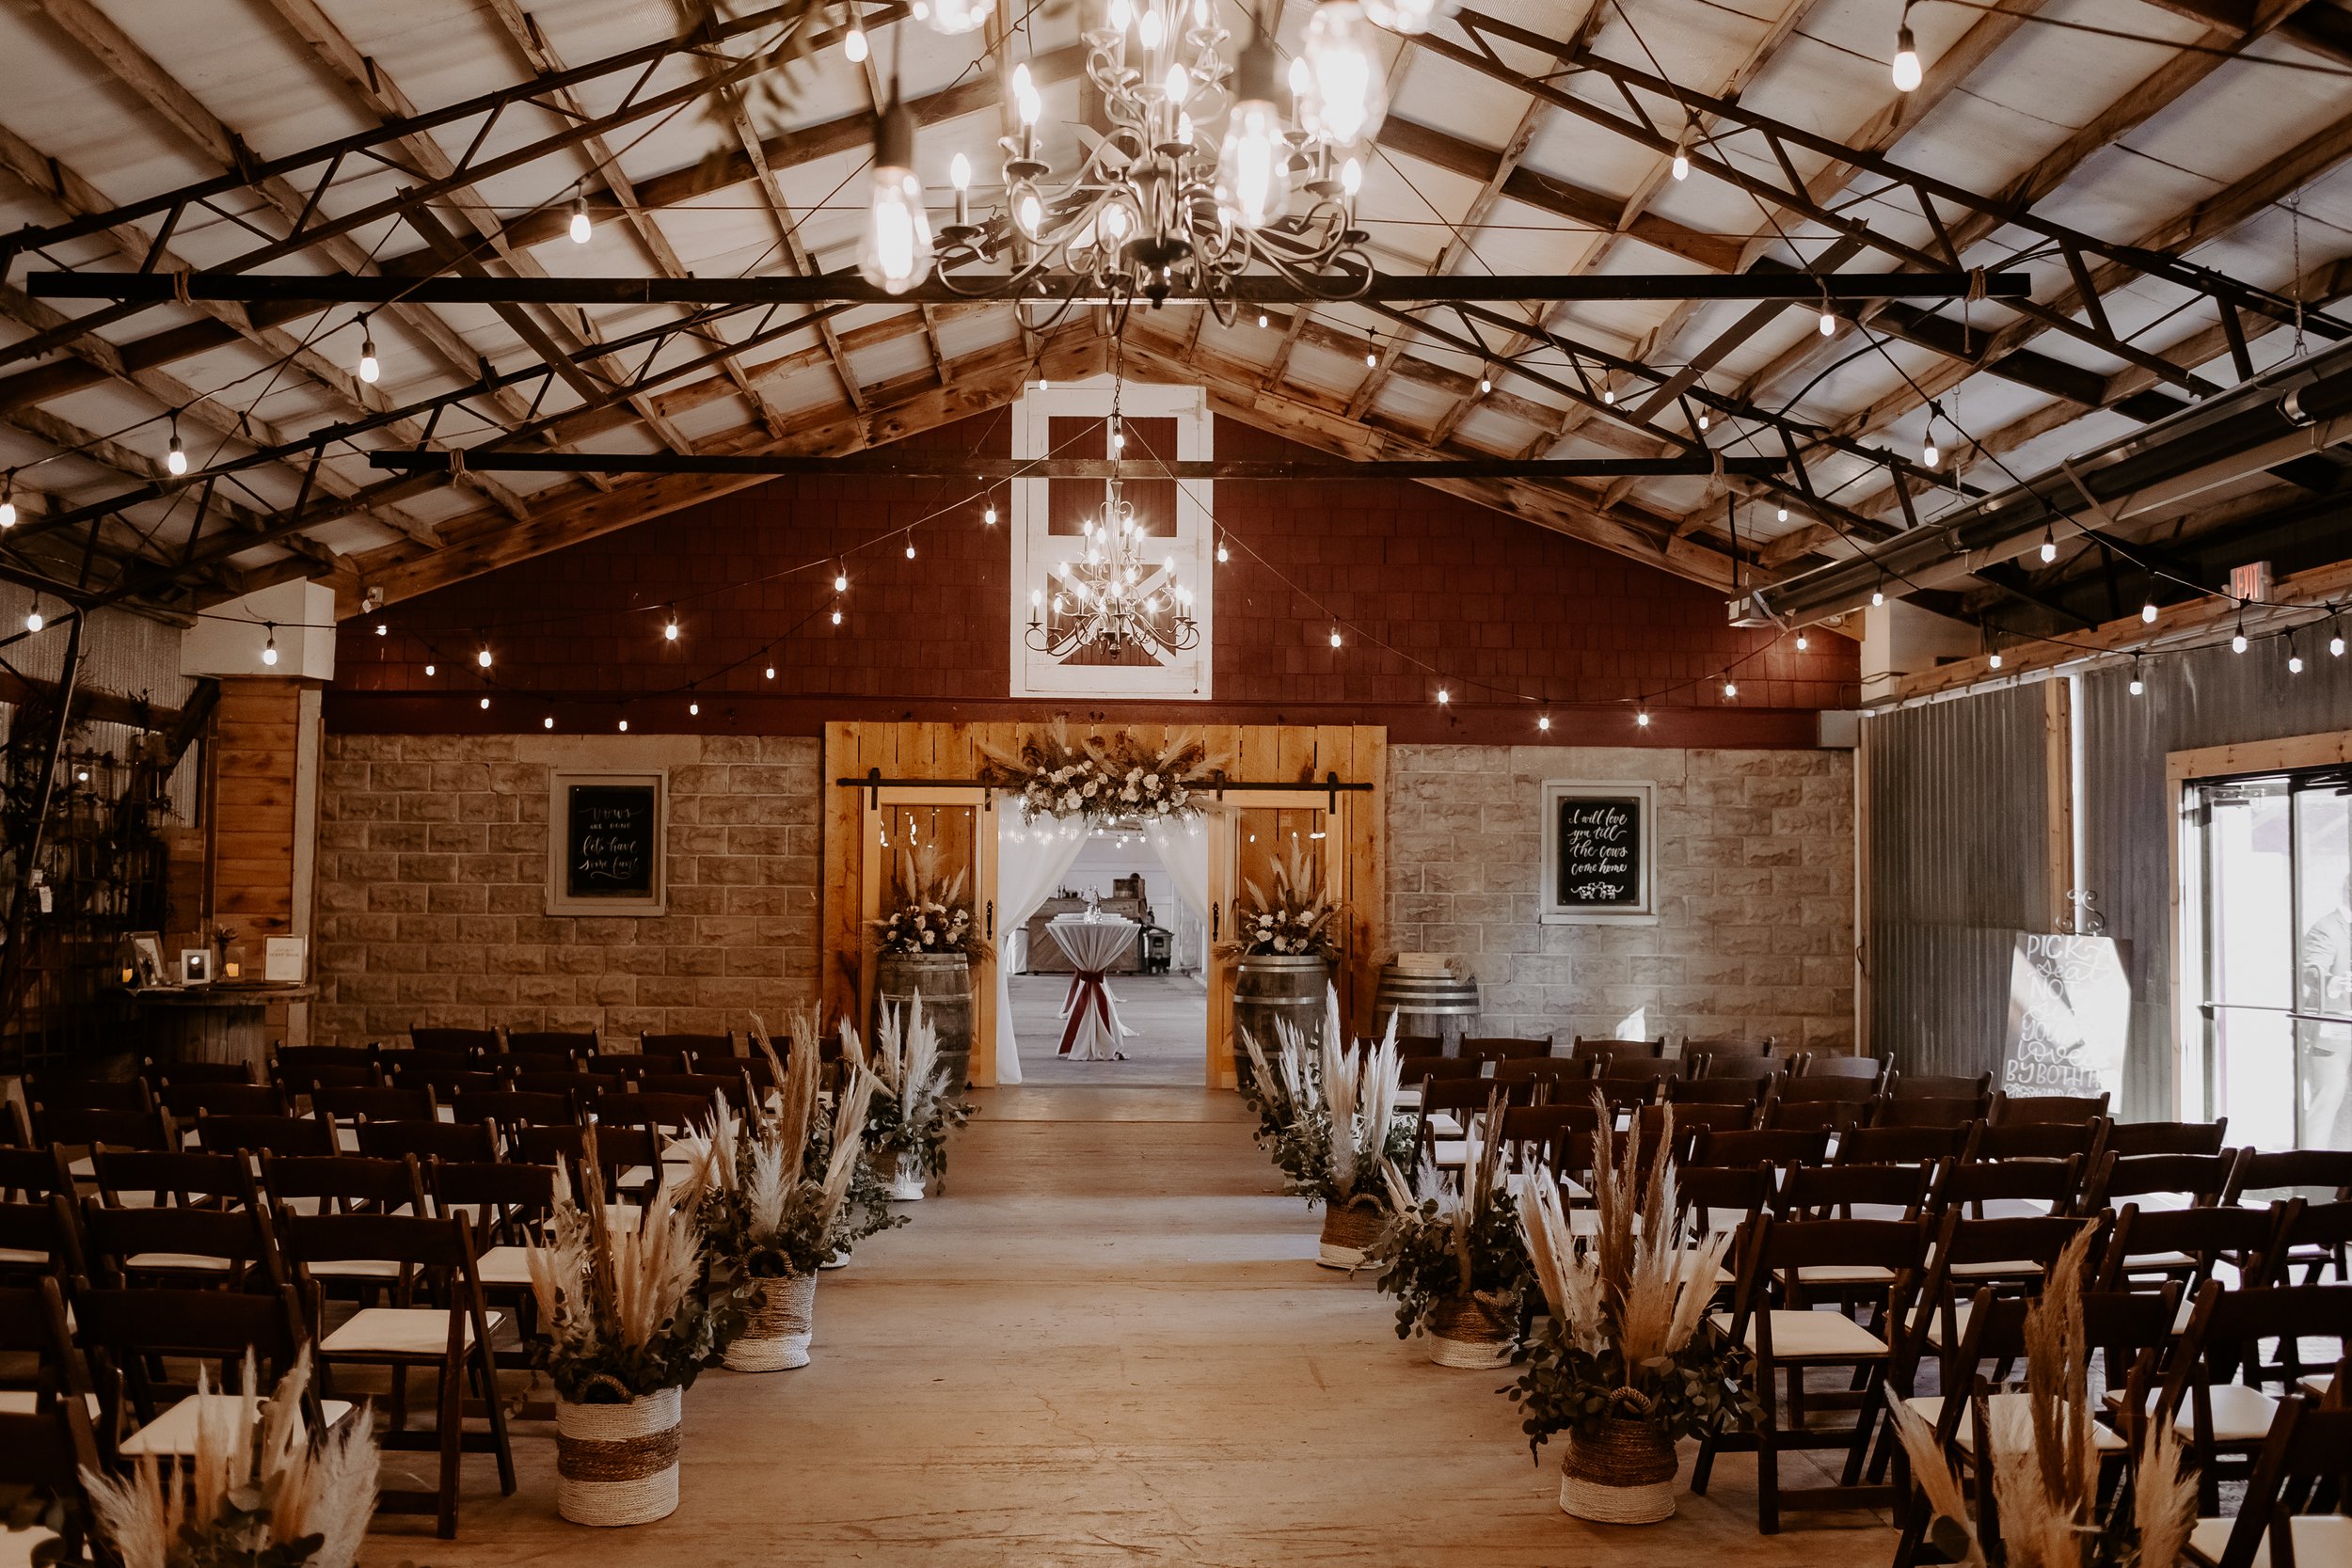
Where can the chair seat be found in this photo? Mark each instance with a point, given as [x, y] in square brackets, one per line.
[2241, 1415]
[2014, 1268]
[18, 1545]
[1935, 1320]
[192, 1262]
[398, 1331]
[503, 1265]
[1845, 1274]
[25, 1401]
[2004, 1408]
[357, 1268]
[1812, 1336]
[19, 1257]
[173, 1432]
[1450, 1152]
[2320, 1540]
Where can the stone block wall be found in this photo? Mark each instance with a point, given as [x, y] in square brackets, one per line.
[431, 888]
[1754, 881]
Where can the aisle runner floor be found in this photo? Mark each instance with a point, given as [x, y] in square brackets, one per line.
[1106, 1344]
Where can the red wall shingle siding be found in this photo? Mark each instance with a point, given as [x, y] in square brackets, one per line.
[1489, 600]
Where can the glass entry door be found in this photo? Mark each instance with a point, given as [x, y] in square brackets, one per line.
[2273, 925]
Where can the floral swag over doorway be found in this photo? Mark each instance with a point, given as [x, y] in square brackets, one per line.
[1099, 780]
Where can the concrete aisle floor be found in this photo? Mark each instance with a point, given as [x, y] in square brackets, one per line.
[1107, 1343]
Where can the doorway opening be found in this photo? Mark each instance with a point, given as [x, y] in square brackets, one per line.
[2268, 938]
[1131, 899]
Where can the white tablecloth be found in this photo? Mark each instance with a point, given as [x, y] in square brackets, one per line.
[1091, 1030]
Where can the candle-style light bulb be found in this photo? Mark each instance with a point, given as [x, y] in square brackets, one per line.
[896, 250]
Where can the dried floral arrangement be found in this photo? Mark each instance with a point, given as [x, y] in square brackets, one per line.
[622, 1312]
[764, 1213]
[256, 1493]
[1444, 1244]
[913, 1109]
[1628, 1303]
[928, 913]
[1327, 1113]
[1100, 781]
[2045, 1463]
[1296, 921]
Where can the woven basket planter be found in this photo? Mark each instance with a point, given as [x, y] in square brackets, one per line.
[777, 1324]
[1348, 1229]
[1624, 1474]
[617, 1463]
[1469, 1331]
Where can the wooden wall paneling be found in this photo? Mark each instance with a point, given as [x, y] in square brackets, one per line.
[256, 732]
[1367, 869]
[844, 820]
[2058, 753]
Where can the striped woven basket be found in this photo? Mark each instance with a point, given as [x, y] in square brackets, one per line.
[1469, 1331]
[1348, 1229]
[617, 1463]
[777, 1325]
[1624, 1474]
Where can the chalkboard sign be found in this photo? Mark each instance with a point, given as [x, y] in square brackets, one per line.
[2070, 1016]
[1597, 851]
[605, 848]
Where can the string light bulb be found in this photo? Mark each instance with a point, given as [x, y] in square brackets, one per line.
[910, 549]
[1992, 660]
[176, 456]
[989, 516]
[1640, 717]
[1878, 598]
[1444, 696]
[1221, 557]
[549, 722]
[841, 582]
[2148, 613]
[669, 629]
[2138, 688]
[1682, 159]
[1609, 397]
[8, 500]
[428, 672]
[1731, 689]
[382, 631]
[693, 710]
[895, 252]
[770, 672]
[269, 648]
[2237, 638]
[1543, 722]
[482, 656]
[1702, 421]
[853, 45]
[579, 226]
[2049, 545]
[1907, 73]
[485, 703]
[370, 368]
[836, 617]
[1781, 514]
[1262, 321]
[1930, 454]
[624, 726]
[32, 621]
[1335, 637]
[1802, 642]
[2335, 637]
[1829, 321]
[2295, 661]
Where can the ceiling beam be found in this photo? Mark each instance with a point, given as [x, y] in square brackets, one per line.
[1138, 471]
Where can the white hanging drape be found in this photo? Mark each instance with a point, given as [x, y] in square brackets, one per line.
[1031, 860]
[1185, 850]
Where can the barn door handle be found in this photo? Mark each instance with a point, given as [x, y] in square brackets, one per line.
[1216, 917]
[991, 932]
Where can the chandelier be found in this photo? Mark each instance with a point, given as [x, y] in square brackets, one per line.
[1210, 166]
[1114, 598]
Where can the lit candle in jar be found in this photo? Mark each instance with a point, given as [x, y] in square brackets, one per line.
[229, 969]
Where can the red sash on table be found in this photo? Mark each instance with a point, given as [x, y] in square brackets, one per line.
[1086, 994]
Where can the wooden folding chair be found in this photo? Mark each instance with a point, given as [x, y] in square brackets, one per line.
[629, 1158]
[2213, 1392]
[1536, 1136]
[142, 1179]
[1938, 1085]
[1450, 1112]
[1723, 1090]
[454, 1042]
[452, 1340]
[220, 1249]
[2198, 1180]
[2318, 1241]
[1588, 1048]
[2126, 1329]
[2134, 1138]
[41, 1239]
[2318, 1174]
[2304, 1458]
[2150, 1248]
[1809, 1089]
[29, 1174]
[1812, 1116]
[700, 1049]
[47, 1441]
[571, 1044]
[1692, 1122]
[1866, 1070]
[1788, 1343]
[88, 1094]
[128, 1331]
[1504, 1048]
[2039, 1140]
[2023, 1188]
[2066, 1110]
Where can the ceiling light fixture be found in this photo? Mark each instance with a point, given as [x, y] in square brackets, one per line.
[1907, 73]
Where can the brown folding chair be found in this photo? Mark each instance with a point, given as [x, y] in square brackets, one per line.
[1502, 1048]
[2213, 1392]
[1462, 1101]
[702, 1049]
[2151, 1247]
[1765, 1147]
[1810, 1089]
[570, 1044]
[41, 1239]
[27, 1174]
[452, 1340]
[46, 1441]
[2305, 1459]
[1866, 1070]
[1790, 1342]
[1585, 1048]
[1903, 1145]
[1832, 1115]
[1718, 1091]
[88, 1094]
[2316, 1173]
[629, 1158]
[1926, 1111]
[1413, 1071]
[456, 1042]
[144, 1178]
[70, 1127]
[1693, 1119]
[2023, 1188]
[2166, 1137]
[2046, 1110]
[1536, 1136]
[2198, 1180]
[264, 1134]
[187, 1102]
[129, 1331]
[1938, 1085]
[224, 1248]
[2039, 1140]
[450, 1140]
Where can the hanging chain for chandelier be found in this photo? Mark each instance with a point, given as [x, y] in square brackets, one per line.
[1115, 597]
[1161, 202]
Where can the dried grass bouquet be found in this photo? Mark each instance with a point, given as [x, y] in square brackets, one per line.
[1099, 780]
[930, 914]
[1295, 921]
[914, 1109]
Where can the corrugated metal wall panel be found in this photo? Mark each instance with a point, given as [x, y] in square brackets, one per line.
[1958, 816]
[2212, 698]
[126, 655]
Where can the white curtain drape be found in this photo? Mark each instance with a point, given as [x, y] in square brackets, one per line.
[1031, 860]
[1185, 853]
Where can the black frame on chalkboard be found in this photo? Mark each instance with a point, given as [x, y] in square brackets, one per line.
[563, 898]
[1642, 909]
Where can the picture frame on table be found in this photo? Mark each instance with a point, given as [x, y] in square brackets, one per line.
[196, 966]
[147, 959]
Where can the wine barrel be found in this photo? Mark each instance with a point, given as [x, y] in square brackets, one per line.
[1436, 1004]
[1268, 989]
[944, 981]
